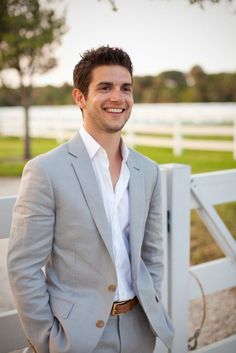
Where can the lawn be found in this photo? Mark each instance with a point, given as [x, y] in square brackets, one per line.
[203, 247]
[200, 161]
[11, 151]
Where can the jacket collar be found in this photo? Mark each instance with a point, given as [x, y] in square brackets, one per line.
[87, 179]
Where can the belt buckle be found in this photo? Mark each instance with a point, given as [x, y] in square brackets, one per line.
[114, 306]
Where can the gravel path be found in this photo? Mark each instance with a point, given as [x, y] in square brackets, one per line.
[9, 186]
[220, 317]
[220, 307]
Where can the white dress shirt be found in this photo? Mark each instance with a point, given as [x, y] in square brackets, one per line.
[116, 203]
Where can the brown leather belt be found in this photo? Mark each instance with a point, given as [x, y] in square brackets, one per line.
[123, 307]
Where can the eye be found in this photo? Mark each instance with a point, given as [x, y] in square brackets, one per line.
[127, 88]
[104, 88]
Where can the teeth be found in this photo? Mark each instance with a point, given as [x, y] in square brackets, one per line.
[114, 110]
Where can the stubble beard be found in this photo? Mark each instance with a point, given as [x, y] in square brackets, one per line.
[110, 128]
[114, 129]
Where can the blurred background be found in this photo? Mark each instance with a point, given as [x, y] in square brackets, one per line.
[184, 56]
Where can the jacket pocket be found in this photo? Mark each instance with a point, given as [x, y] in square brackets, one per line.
[60, 307]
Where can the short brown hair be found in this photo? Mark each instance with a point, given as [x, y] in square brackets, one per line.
[105, 55]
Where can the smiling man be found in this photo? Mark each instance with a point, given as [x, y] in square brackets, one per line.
[89, 212]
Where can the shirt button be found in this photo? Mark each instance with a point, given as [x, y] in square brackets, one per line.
[100, 323]
[111, 288]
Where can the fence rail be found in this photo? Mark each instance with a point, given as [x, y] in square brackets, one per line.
[145, 135]
[173, 126]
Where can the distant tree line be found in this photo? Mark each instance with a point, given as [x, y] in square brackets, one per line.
[195, 86]
[167, 87]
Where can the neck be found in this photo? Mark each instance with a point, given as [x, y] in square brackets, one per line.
[111, 144]
[109, 141]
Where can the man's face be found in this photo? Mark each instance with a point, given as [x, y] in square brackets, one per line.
[109, 102]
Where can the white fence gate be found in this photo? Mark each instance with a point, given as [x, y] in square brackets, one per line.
[200, 192]
[181, 192]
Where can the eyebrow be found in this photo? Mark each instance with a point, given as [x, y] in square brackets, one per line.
[111, 84]
[104, 83]
[128, 84]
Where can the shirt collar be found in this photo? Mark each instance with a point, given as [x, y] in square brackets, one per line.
[93, 147]
[124, 151]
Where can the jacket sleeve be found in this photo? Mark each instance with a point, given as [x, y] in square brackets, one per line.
[29, 250]
[152, 251]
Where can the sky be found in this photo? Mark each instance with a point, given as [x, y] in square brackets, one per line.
[158, 35]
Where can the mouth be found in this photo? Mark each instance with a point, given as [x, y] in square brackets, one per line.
[114, 110]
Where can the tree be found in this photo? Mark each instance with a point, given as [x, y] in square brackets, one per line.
[201, 3]
[198, 81]
[113, 5]
[29, 34]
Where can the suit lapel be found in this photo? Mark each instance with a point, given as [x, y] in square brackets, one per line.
[137, 208]
[83, 168]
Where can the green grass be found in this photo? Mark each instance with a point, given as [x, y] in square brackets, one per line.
[203, 247]
[210, 137]
[11, 152]
[200, 161]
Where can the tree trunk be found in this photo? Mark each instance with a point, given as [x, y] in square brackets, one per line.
[26, 98]
[27, 152]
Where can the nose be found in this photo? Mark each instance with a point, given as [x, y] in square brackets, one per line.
[116, 95]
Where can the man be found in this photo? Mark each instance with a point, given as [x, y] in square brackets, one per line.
[90, 212]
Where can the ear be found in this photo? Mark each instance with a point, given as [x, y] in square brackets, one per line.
[78, 98]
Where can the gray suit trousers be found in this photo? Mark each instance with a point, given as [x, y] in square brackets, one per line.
[127, 333]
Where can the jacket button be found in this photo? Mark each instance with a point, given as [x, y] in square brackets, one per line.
[100, 323]
[112, 288]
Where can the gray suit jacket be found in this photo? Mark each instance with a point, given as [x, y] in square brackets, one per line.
[60, 261]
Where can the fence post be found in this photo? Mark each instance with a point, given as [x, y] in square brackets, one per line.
[178, 203]
[177, 138]
[234, 139]
[130, 135]
[160, 348]
[60, 131]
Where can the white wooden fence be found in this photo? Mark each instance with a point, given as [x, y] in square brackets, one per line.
[181, 193]
[200, 192]
[174, 124]
[144, 135]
